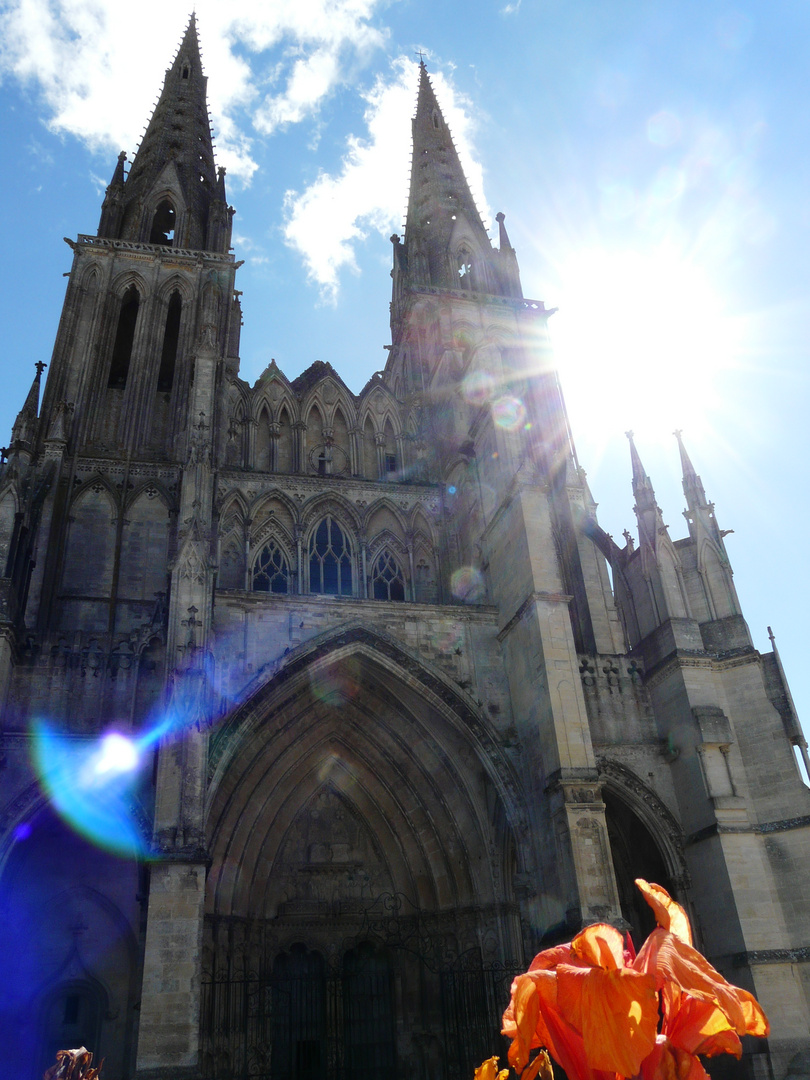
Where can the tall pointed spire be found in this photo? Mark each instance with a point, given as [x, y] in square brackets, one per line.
[650, 520]
[175, 158]
[439, 191]
[699, 512]
[642, 485]
[446, 244]
[24, 431]
[692, 484]
[112, 207]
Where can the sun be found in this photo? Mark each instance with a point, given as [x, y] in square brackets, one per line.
[642, 341]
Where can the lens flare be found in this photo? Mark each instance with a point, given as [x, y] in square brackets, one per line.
[478, 387]
[92, 786]
[509, 413]
[467, 584]
[116, 755]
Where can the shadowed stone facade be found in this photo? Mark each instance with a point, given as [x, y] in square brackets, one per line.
[425, 714]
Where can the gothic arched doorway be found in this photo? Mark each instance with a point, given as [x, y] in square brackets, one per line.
[636, 854]
[341, 785]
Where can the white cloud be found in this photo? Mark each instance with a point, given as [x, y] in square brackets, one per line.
[79, 53]
[329, 218]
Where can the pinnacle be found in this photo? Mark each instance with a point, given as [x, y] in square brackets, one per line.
[642, 485]
[692, 484]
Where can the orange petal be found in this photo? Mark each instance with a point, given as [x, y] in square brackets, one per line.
[548, 959]
[700, 1027]
[565, 1044]
[616, 1013]
[670, 959]
[601, 945]
[668, 1062]
[668, 913]
[520, 1020]
[487, 1070]
[725, 1042]
[541, 1064]
[756, 1022]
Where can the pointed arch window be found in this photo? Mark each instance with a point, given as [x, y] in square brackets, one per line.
[271, 571]
[330, 560]
[387, 579]
[163, 224]
[171, 338]
[124, 339]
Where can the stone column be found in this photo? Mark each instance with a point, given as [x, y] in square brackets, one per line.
[363, 568]
[275, 431]
[299, 446]
[379, 442]
[169, 1034]
[578, 880]
[169, 1030]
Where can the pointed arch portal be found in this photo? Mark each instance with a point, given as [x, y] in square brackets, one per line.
[361, 827]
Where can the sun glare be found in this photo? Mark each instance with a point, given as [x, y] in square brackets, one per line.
[641, 341]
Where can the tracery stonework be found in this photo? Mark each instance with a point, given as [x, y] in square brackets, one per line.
[406, 712]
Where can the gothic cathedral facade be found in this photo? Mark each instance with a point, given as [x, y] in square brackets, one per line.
[408, 713]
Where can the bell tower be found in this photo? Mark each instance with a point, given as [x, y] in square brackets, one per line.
[473, 354]
[150, 303]
[157, 275]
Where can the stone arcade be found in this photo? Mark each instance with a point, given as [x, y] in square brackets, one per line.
[421, 731]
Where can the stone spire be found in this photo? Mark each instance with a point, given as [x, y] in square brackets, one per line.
[692, 484]
[642, 485]
[112, 207]
[446, 245]
[176, 155]
[24, 431]
[699, 512]
[439, 193]
[650, 522]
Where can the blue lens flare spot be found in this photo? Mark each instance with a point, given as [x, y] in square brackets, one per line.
[91, 784]
[117, 754]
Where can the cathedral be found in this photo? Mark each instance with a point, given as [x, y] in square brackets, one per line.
[404, 712]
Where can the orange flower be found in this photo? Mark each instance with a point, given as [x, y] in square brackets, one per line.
[595, 1015]
[682, 973]
[596, 1007]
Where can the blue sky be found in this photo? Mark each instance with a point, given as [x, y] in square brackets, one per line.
[651, 158]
